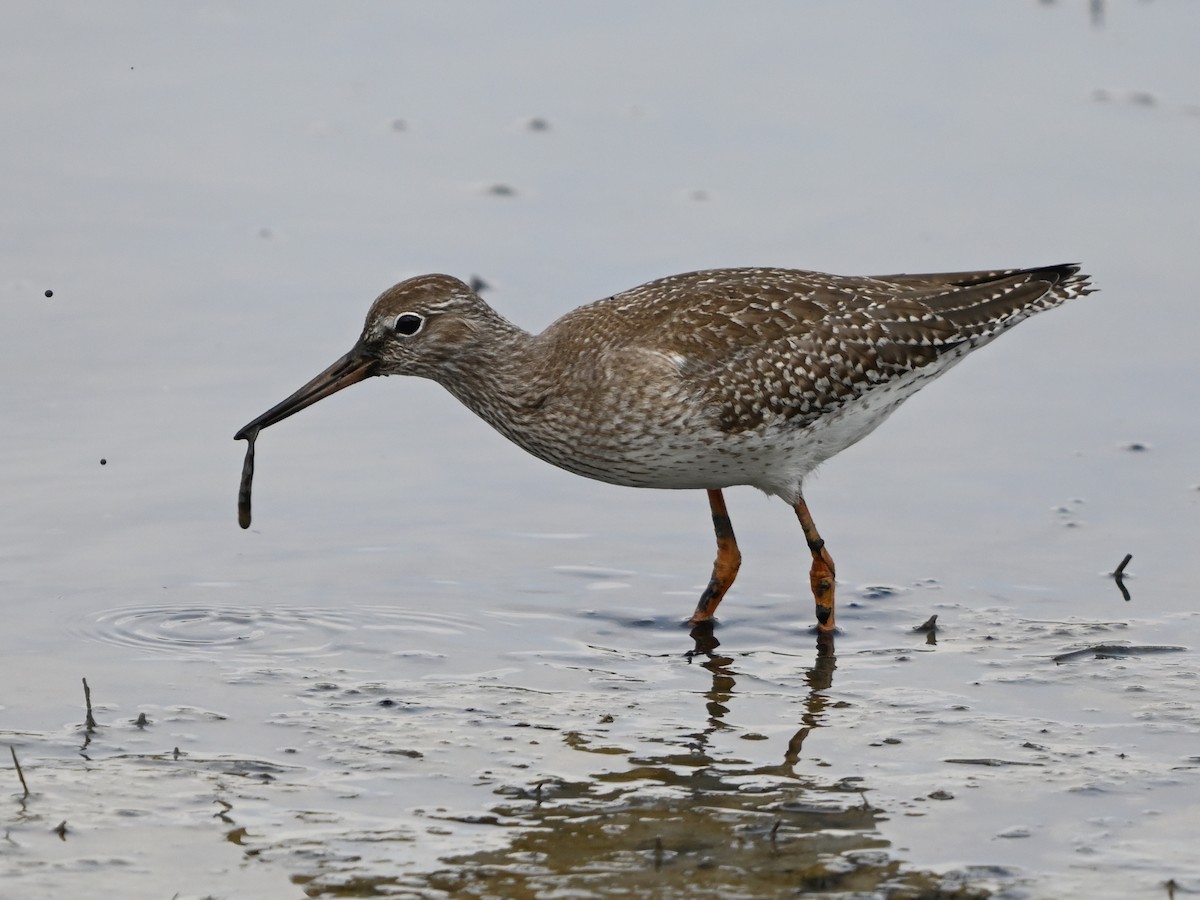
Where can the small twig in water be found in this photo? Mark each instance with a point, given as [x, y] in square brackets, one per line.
[929, 624]
[90, 722]
[17, 763]
[658, 853]
[1119, 577]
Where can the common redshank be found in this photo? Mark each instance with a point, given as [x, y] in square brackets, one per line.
[703, 381]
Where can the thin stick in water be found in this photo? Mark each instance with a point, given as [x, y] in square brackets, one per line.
[90, 722]
[17, 763]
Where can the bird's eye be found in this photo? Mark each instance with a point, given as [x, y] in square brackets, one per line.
[409, 323]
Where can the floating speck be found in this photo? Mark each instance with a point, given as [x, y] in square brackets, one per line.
[1135, 447]
[49, 293]
[539, 124]
[879, 591]
[502, 190]
[399, 125]
[1015, 832]
[103, 461]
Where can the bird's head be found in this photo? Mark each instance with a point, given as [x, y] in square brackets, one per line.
[424, 326]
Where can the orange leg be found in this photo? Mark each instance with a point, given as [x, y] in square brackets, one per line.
[725, 567]
[822, 572]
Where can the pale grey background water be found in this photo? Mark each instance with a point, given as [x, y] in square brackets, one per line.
[214, 193]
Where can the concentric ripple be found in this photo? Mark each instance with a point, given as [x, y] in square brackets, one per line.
[291, 631]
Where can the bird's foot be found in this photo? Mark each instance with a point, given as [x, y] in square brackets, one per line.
[706, 641]
[821, 578]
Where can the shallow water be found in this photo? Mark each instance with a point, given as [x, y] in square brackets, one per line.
[436, 667]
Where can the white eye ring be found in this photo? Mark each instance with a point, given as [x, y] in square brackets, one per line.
[408, 323]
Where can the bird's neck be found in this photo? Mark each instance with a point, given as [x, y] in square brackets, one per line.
[497, 376]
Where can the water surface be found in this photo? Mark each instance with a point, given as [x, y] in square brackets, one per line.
[437, 667]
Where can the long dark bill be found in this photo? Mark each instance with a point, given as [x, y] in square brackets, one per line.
[352, 368]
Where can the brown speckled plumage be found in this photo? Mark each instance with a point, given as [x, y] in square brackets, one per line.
[704, 380]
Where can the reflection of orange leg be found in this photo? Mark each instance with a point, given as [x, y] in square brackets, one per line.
[725, 567]
[821, 574]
